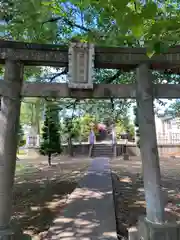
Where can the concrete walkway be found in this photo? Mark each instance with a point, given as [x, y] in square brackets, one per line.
[89, 214]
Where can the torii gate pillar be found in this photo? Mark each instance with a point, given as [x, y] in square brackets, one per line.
[154, 226]
[148, 146]
[9, 123]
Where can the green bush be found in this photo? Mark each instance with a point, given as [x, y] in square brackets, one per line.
[136, 123]
[22, 142]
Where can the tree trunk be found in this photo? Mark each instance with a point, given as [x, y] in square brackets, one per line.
[38, 111]
[70, 146]
[49, 159]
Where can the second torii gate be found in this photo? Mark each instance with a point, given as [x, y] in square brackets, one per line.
[15, 55]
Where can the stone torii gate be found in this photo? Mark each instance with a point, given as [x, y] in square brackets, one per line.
[15, 55]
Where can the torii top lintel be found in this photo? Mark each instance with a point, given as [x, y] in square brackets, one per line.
[105, 57]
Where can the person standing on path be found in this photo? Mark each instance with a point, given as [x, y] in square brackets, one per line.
[91, 141]
[114, 141]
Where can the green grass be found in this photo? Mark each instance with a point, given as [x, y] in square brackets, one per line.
[19, 167]
[25, 168]
[21, 152]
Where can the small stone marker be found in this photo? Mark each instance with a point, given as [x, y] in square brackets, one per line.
[126, 156]
[132, 233]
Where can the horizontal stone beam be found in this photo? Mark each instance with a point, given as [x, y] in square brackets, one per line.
[105, 57]
[61, 90]
[104, 91]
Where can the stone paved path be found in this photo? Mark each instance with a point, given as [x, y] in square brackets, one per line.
[89, 214]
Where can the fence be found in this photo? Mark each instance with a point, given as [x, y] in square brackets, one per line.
[168, 138]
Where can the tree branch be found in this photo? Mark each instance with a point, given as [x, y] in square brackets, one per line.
[67, 106]
[51, 79]
[135, 6]
[68, 22]
[112, 104]
[74, 107]
[114, 77]
[65, 71]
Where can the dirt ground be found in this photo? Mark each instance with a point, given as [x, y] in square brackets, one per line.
[129, 191]
[40, 191]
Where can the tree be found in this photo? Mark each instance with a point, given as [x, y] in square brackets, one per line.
[129, 23]
[151, 24]
[72, 129]
[32, 112]
[51, 137]
[69, 130]
[136, 123]
[154, 24]
[86, 120]
[119, 128]
[173, 109]
[91, 111]
[23, 21]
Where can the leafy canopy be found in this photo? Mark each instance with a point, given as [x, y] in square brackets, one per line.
[155, 24]
[125, 22]
[173, 110]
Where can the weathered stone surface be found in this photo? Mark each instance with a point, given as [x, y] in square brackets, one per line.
[152, 231]
[61, 90]
[148, 145]
[105, 57]
[133, 233]
[9, 122]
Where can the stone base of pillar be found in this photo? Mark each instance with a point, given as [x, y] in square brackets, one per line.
[114, 151]
[133, 233]
[125, 156]
[6, 234]
[11, 236]
[152, 231]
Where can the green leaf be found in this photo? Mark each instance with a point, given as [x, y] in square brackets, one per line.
[137, 31]
[46, 3]
[149, 10]
[150, 52]
[160, 47]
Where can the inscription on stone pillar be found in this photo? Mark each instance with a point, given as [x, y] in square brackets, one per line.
[81, 65]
